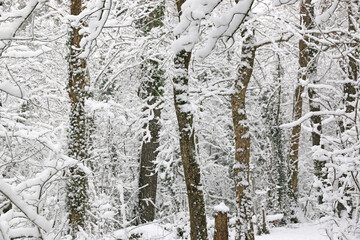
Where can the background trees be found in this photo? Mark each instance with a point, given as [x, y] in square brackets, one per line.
[123, 50]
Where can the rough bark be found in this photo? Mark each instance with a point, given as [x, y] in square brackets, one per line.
[148, 175]
[184, 114]
[304, 60]
[351, 66]
[221, 231]
[187, 148]
[245, 229]
[314, 105]
[77, 199]
[151, 91]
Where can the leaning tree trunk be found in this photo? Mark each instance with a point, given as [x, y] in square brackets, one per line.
[151, 90]
[77, 198]
[191, 166]
[245, 230]
[184, 114]
[304, 60]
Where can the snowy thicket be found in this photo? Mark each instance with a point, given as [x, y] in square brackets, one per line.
[117, 45]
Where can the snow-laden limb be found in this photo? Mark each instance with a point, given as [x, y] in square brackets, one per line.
[11, 89]
[283, 2]
[226, 26]
[11, 22]
[193, 12]
[327, 14]
[38, 220]
[95, 15]
[310, 114]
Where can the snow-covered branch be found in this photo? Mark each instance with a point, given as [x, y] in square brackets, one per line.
[327, 14]
[226, 26]
[11, 22]
[31, 214]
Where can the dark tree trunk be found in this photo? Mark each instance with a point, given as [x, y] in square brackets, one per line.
[191, 166]
[77, 198]
[148, 175]
[306, 22]
[245, 229]
[151, 91]
[184, 114]
[221, 231]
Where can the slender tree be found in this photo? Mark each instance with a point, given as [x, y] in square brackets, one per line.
[151, 91]
[188, 152]
[245, 229]
[77, 198]
[305, 58]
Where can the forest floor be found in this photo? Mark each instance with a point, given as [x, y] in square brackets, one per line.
[303, 231]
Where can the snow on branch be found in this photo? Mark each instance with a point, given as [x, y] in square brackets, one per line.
[193, 12]
[284, 2]
[226, 26]
[31, 214]
[327, 14]
[91, 20]
[11, 22]
[311, 114]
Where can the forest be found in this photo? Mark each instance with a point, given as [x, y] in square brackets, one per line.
[179, 119]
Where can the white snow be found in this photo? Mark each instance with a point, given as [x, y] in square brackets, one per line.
[11, 89]
[274, 217]
[148, 231]
[225, 26]
[305, 231]
[327, 14]
[221, 208]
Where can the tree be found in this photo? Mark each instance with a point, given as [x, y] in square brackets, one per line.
[151, 91]
[306, 68]
[77, 196]
[245, 227]
[184, 114]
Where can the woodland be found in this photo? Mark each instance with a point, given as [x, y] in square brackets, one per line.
[199, 119]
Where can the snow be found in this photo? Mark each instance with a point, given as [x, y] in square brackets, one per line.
[30, 213]
[8, 29]
[275, 217]
[225, 26]
[282, 2]
[305, 231]
[221, 208]
[11, 89]
[327, 14]
[148, 231]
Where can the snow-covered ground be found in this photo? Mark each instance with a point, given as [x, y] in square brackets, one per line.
[304, 231]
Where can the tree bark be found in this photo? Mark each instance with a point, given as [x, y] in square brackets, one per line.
[187, 147]
[184, 114]
[191, 166]
[221, 226]
[245, 229]
[304, 60]
[77, 198]
[151, 91]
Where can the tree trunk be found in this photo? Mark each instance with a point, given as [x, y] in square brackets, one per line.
[221, 231]
[304, 60]
[77, 198]
[245, 229]
[187, 148]
[314, 104]
[151, 91]
[184, 114]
